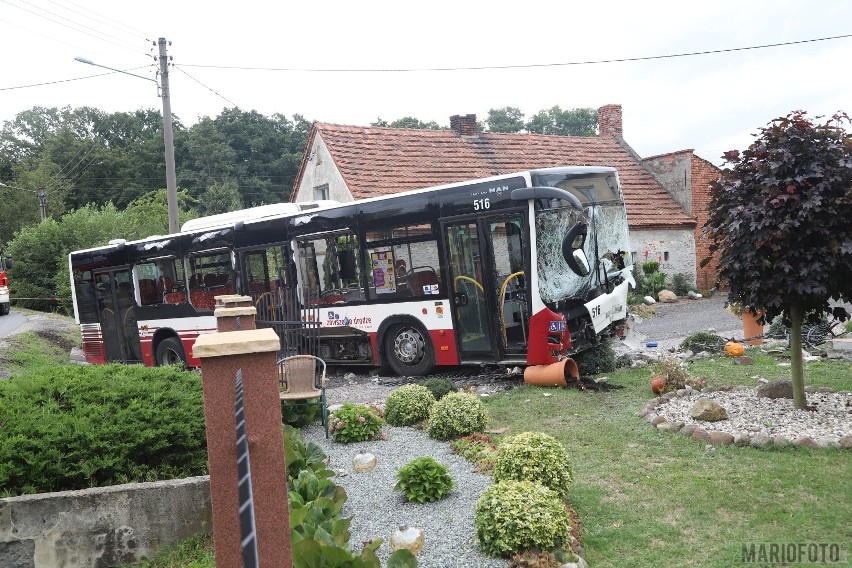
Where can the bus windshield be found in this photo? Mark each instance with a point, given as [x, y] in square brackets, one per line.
[606, 245]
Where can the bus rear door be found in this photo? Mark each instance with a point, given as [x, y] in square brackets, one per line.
[117, 315]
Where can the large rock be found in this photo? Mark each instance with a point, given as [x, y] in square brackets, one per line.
[708, 410]
[667, 296]
[776, 389]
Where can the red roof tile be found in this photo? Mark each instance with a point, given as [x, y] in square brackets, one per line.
[376, 161]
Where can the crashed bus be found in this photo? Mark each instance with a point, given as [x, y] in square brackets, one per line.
[517, 269]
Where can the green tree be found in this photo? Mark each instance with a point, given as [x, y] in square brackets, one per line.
[408, 122]
[221, 198]
[506, 119]
[575, 122]
[781, 221]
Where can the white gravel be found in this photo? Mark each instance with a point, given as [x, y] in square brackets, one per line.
[752, 415]
[377, 510]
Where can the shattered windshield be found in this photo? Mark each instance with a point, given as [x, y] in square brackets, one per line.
[607, 231]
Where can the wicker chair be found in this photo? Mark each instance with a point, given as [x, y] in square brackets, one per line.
[302, 381]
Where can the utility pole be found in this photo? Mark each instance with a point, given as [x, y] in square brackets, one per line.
[168, 138]
[42, 203]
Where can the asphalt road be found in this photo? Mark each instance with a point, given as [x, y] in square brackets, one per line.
[11, 322]
[685, 317]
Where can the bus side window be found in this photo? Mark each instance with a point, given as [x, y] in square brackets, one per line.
[330, 267]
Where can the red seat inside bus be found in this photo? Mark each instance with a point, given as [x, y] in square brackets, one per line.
[420, 277]
[148, 293]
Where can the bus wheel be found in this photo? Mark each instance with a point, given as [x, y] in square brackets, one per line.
[170, 352]
[408, 350]
[4, 309]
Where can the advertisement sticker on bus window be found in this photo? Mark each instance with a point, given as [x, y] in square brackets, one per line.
[383, 272]
[430, 289]
[557, 326]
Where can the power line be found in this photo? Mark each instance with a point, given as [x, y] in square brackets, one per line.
[59, 81]
[101, 19]
[98, 35]
[208, 88]
[527, 66]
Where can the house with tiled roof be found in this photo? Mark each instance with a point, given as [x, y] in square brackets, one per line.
[664, 195]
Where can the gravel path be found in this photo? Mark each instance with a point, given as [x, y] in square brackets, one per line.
[377, 510]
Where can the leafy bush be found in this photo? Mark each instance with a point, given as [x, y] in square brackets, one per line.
[537, 457]
[680, 284]
[298, 414]
[75, 427]
[704, 341]
[653, 280]
[674, 371]
[598, 359]
[424, 480]
[408, 404]
[623, 361]
[511, 516]
[476, 448]
[439, 387]
[457, 414]
[355, 423]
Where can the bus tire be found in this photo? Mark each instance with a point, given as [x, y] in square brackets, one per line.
[409, 350]
[4, 309]
[170, 352]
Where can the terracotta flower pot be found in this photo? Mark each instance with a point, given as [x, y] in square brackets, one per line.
[658, 384]
[751, 328]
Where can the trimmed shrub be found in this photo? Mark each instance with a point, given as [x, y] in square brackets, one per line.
[511, 516]
[424, 480]
[704, 341]
[76, 427]
[680, 284]
[457, 414]
[537, 457]
[408, 404]
[439, 387]
[598, 359]
[355, 423]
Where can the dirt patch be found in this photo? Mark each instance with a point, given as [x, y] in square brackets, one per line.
[60, 341]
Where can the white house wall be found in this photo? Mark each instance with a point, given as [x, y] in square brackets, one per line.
[321, 170]
[656, 244]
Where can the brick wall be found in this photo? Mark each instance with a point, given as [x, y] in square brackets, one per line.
[463, 124]
[609, 121]
[703, 174]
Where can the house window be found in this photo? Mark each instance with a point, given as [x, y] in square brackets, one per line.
[666, 256]
[321, 192]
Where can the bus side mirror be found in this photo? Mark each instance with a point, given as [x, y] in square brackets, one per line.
[572, 249]
[8, 261]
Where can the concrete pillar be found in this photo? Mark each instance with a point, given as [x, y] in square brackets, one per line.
[233, 301]
[235, 319]
[254, 352]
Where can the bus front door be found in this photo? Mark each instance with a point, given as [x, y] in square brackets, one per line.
[468, 286]
[117, 315]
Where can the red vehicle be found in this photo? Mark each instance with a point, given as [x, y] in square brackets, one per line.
[525, 268]
[5, 264]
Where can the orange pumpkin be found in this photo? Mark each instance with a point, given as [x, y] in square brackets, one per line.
[734, 349]
[658, 384]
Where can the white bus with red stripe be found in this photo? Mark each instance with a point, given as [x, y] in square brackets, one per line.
[525, 268]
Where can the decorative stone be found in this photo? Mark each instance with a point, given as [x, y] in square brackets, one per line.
[845, 442]
[780, 440]
[760, 439]
[363, 462]
[700, 434]
[721, 438]
[650, 417]
[676, 426]
[742, 439]
[409, 538]
[806, 442]
[776, 389]
[667, 296]
[708, 410]
[649, 300]
[688, 429]
[744, 360]
[658, 420]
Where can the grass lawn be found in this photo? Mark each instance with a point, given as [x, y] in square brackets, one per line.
[651, 498]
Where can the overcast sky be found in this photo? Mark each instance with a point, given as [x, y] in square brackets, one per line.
[353, 62]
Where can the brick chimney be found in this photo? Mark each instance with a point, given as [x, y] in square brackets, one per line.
[464, 125]
[609, 121]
